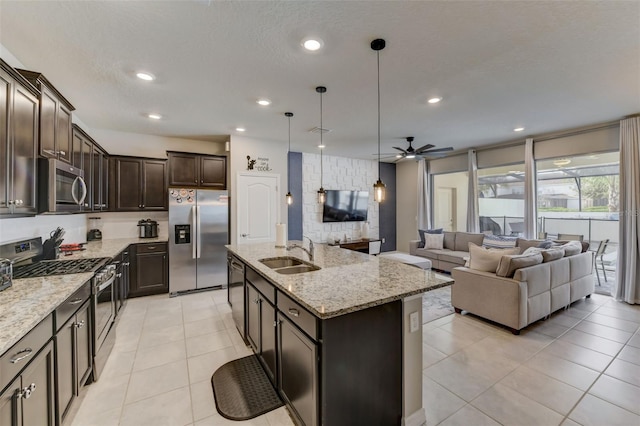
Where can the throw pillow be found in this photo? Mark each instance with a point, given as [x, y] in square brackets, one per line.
[433, 241]
[427, 231]
[449, 240]
[525, 244]
[572, 248]
[552, 254]
[484, 259]
[510, 263]
[545, 244]
[498, 241]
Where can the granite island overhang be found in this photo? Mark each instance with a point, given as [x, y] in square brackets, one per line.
[368, 311]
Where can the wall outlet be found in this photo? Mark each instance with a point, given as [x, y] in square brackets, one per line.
[414, 320]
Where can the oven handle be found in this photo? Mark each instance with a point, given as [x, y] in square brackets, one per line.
[107, 283]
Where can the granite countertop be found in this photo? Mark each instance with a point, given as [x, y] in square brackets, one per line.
[28, 301]
[348, 281]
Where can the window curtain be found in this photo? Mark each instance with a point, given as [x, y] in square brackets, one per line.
[628, 268]
[530, 211]
[473, 221]
[424, 195]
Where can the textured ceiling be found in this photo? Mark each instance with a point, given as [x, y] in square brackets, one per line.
[546, 66]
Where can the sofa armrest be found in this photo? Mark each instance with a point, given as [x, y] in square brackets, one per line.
[503, 300]
[413, 245]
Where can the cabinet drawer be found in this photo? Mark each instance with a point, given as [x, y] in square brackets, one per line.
[151, 248]
[72, 304]
[16, 358]
[265, 287]
[298, 315]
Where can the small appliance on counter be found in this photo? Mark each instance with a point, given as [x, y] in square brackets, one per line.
[94, 232]
[6, 274]
[51, 246]
[148, 228]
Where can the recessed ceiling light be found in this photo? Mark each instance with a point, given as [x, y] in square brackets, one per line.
[240, 129]
[263, 102]
[154, 116]
[518, 129]
[145, 76]
[434, 100]
[312, 44]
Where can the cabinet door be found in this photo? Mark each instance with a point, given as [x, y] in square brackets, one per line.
[298, 378]
[104, 182]
[87, 167]
[83, 346]
[64, 367]
[253, 318]
[48, 107]
[183, 169]
[128, 175]
[151, 274]
[6, 84]
[268, 337]
[213, 173]
[38, 408]
[76, 151]
[63, 134]
[24, 129]
[11, 404]
[96, 169]
[154, 191]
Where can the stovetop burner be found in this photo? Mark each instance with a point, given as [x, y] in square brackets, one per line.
[59, 267]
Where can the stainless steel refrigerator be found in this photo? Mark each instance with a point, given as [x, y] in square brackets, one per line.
[198, 232]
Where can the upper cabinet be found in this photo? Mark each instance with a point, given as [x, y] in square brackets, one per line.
[90, 157]
[138, 183]
[196, 170]
[55, 119]
[18, 143]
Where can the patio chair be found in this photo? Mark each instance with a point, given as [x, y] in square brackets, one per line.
[599, 255]
[517, 228]
[570, 237]
[542, 235]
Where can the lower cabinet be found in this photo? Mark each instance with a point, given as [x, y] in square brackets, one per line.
[73, 359]
[261, 332]
[298, 373]
[149, 269]
[30, 397]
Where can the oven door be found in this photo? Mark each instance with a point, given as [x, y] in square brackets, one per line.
[104, 309]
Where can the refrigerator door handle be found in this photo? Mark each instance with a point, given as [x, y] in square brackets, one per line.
[194, 224]
[199, 237]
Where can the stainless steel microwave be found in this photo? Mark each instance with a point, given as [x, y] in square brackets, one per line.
[61, 187]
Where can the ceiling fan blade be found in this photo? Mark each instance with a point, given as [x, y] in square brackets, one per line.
[431, 151]
[425, 147]
[399, 149]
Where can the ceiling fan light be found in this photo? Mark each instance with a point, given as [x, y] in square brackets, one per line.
[411, 156]
[398, 155]
[379, 190]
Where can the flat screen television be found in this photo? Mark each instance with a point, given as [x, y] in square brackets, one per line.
[345, 206]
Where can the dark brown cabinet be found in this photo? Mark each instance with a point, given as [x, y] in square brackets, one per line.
[261, 321]
[196, 170]
[55, 119]
[123, 281]
[149, 272]
[18, 143]
[138, 184]
[93, 160]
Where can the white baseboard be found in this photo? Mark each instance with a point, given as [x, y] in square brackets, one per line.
[418, 418]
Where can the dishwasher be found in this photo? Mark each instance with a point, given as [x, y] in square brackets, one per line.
[235, 293]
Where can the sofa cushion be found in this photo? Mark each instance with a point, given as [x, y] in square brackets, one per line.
[510, 263]
[484, 259]
[552, 254]
[572, 248]
[433, 241]
[464, 238]
[585, 244]
[427, 231]
[525, 244]
[498, 241]
[451, 256]
[449, 240]
[428, 253]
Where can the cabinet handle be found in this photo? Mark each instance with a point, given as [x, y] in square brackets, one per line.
[294, 312]
[27, 391]
[62, 152]
[80, 324]
[195, 181]
[25, 353]
[119, 275]
[256, 301]
[10, 202]
[151, 247]
[75, 301]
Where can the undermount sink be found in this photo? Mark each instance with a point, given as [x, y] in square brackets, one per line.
[288, 265]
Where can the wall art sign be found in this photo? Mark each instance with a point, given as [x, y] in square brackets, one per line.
[260, 164]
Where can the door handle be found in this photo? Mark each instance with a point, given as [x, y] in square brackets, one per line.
[194, 224]
[198, 237]
[244, 235]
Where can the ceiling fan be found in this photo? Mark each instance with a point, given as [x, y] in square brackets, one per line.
[420, 153]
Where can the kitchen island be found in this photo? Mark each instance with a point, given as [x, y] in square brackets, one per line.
[347, 344]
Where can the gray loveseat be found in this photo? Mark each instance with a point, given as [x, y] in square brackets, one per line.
[455, 249]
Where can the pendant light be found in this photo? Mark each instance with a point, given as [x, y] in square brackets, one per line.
[379, 188]
[289, 196]
[321, 192]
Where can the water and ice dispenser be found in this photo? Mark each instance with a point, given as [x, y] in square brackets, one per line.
[182, 234]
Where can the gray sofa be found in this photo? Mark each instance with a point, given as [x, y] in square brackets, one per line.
[533, 293]
[456, 248]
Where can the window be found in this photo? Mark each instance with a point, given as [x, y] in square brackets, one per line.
[450, 201]
[501, 199]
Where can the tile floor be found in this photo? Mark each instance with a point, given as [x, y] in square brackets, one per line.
[580, 367]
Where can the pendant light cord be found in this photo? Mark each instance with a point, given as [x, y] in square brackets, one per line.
[378, 54]
[289, 160]
[321, 144]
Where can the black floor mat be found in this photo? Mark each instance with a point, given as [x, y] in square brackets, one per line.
[242, 390]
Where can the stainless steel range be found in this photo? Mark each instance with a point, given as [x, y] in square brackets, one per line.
[23, 253]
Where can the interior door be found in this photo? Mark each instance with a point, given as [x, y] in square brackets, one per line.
[257, 213]
[445, 209]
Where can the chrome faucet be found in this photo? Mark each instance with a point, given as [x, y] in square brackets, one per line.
[309, 252]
